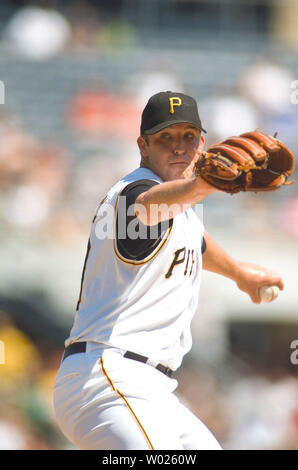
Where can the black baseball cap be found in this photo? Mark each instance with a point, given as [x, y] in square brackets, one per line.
[167, 108]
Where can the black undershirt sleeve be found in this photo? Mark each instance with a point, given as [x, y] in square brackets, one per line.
[135, 241]
[204, 245]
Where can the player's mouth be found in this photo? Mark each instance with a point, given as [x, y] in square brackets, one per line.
[180, 162]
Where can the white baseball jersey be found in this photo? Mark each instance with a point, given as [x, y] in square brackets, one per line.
[145, 306]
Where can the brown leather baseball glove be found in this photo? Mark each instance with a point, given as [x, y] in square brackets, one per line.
[251, 162]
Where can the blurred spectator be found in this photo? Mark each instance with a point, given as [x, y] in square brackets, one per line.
[93, 176]
[268, 86]
[16, 150]
[17, 433]
[117, 35]
[261, 210]
[90, 32]
[12, 437]
[85, 26]
[22, 360]
[27, 377]
[263, 413]
[288, 216]
[38, 33]
[33, 176]
[40, 184]
[227, 113]
[96, 113]
[284, 23]
[155, 76]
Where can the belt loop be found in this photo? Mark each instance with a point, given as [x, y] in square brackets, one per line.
[152, 362]
[145, 360]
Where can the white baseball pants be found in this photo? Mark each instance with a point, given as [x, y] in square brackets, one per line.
[103, 401]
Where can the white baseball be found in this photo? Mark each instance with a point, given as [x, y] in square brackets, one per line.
[268, 293]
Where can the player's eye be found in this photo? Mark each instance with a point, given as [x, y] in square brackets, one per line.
[165, 136]
[189, 136]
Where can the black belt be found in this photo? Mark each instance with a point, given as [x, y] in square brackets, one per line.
[80, 347]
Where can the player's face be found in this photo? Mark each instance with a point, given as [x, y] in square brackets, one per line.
[169, 152]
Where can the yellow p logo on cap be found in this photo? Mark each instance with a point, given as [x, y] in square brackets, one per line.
[174, 101]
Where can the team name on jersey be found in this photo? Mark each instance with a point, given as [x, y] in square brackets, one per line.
[187, 256]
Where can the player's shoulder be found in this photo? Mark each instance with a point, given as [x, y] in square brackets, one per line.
[139, 175]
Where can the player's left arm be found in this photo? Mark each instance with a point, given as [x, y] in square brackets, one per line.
[248, 277]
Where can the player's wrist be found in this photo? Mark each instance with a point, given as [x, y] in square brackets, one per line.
[234, 270]
[202, 187]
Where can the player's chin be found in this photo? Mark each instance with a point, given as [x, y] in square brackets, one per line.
[177, 171]
[176, 176]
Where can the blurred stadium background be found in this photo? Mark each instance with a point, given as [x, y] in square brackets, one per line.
[76, 76]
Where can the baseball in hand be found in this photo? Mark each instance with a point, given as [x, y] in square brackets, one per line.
[268, 293]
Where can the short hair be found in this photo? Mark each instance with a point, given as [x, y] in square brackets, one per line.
[146, 138]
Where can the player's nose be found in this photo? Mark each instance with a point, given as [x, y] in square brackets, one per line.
[178, 147]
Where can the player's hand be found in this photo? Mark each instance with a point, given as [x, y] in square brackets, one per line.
[250, 277]
[189, 173]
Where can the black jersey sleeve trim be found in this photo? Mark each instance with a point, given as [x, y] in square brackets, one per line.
[204, 245]
[134, 240]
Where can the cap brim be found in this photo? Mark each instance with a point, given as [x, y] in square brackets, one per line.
[163, 125]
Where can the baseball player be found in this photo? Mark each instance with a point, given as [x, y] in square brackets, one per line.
[139, 292]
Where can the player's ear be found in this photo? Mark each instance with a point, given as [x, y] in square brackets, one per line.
[202, 142]
[142, 144]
